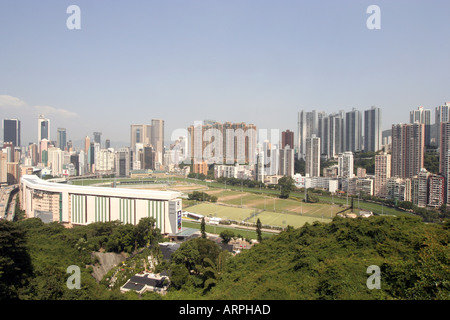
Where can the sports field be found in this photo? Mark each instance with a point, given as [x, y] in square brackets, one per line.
[285, 219]
[221, 211]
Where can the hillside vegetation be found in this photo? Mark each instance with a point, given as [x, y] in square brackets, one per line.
[316, 261]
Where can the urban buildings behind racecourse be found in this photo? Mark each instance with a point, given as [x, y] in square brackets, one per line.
[237, 150]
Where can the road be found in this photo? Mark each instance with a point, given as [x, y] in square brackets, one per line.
[8, 202]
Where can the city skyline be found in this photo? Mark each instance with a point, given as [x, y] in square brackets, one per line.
[257, 62]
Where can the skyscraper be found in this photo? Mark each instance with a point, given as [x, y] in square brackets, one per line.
[408, 149]
[372, 130]
[312, 159]
[61, 138]
[287, 161]
[11, 131]
[382, 174]
[98, 137]
[353, 131]
[43, 128]
[345, 165]
[122, 162]
[422, 115]
[157, 140]
[287, 138]
[308, 124]
[441, 116]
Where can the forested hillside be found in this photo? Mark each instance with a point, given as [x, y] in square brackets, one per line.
[319, 261]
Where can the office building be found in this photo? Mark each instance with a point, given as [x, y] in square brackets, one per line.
[122, 162]
[61, 138]
[98, 138]
[43, 128]
[11, 131]
[372, 130]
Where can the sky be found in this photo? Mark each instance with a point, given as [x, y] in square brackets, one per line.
[253, 61]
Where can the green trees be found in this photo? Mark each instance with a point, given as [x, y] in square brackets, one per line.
[200, 259]
[15, 262]
[258, 230]
[203, 228]
[286, 184]
[226, 236]
[201, 196]
[329, 261]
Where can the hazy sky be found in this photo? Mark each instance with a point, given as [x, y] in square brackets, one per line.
[257, 61]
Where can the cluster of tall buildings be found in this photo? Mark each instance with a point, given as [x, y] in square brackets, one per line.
[239, 150]
[340, 132]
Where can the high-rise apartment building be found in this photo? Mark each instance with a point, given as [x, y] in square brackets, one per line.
[419, 193]
[287, 161]
[353, 131]
[345, 165]
[422, 115]
[11, 131]
[372, 130]
[382, 174]
[408, 149]
[436, 190]
[312, 159]
[157, 140]
[287, 138]
[441, 116]
[226, 143]
[308, 124]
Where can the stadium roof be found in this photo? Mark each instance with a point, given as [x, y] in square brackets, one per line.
[38, 183]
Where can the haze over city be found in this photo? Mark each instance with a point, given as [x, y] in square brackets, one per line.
[260, 62]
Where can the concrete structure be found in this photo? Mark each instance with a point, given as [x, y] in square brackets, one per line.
[287, 138]
[372, 130]
[441, 116]
[422, 115]
[81, 205]
[436, 190]
[408, 149]
[312, 157]
[61, 138]
[286, 162]
[345, 165]
[11, 131]
[382, 174]
[43, 128]
[353, 131]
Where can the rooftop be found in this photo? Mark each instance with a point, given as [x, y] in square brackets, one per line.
[35, 182]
